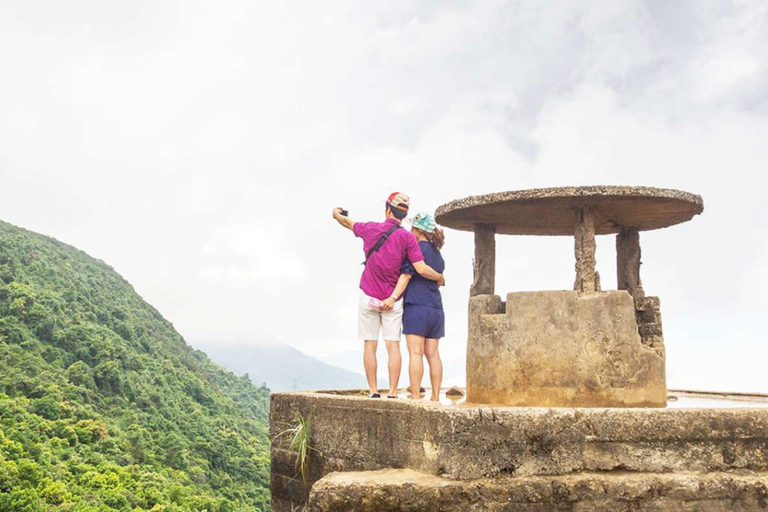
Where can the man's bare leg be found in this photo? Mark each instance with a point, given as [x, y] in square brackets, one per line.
[369, 362]
[435, 367]
[395, 362]
[415, 362]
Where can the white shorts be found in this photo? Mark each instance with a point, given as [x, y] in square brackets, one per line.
[370, 320]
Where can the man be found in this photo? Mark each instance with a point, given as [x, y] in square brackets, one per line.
[386, 246]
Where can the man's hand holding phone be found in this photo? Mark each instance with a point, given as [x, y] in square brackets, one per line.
[341, 216]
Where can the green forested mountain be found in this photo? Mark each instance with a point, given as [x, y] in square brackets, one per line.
[103, 406]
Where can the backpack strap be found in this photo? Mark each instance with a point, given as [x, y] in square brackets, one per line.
[380, 242]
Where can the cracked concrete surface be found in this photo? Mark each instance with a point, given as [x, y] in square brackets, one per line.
[471, 442]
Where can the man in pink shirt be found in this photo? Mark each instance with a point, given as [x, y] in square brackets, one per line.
[386, 246]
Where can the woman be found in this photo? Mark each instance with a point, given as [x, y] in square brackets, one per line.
[423, 317]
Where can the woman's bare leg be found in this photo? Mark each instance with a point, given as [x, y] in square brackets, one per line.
[395, 363]
[415, 362]
[435, 367]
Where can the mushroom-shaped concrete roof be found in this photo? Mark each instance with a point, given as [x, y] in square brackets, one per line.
[551, 211]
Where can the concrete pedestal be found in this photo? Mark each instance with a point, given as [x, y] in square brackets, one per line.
[404, 490]
[561, 349]
[516, 458]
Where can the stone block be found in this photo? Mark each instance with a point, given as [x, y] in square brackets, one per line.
[648, 316]
[407, 490]
[562, 349]
[650, 329]
[648, 304]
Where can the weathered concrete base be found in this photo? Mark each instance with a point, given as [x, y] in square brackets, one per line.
[408, 490]
[564, 349]
[467, 443]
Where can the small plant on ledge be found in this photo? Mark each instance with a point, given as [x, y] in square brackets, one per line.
[300, 434]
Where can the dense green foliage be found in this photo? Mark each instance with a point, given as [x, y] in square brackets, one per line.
[103, 406]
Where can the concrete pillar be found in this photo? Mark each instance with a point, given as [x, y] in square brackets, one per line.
[485, 260]
[628, 262]
[584, 249]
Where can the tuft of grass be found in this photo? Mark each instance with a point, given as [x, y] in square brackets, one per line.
[300, 434]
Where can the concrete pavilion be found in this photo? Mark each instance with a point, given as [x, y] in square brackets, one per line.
[579, 348]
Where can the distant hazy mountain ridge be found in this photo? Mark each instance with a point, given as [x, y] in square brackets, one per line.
[281, 367]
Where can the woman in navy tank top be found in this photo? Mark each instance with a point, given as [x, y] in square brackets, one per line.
[423, 316]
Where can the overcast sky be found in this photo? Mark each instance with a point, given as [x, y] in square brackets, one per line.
[199, 147]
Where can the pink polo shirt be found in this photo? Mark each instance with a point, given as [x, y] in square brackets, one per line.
[383, 269]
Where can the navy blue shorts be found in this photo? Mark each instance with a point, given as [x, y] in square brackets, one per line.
[423, 321]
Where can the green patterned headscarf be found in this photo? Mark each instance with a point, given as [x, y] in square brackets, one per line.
[424, 222]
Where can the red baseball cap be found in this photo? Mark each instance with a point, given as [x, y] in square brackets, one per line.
[399, 200]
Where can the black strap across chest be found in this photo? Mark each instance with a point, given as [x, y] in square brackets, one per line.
[380, 242]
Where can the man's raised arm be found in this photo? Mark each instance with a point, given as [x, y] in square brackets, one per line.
[341, 219]
[428, 272]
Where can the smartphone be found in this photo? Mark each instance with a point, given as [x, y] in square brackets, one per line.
[345, 213]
